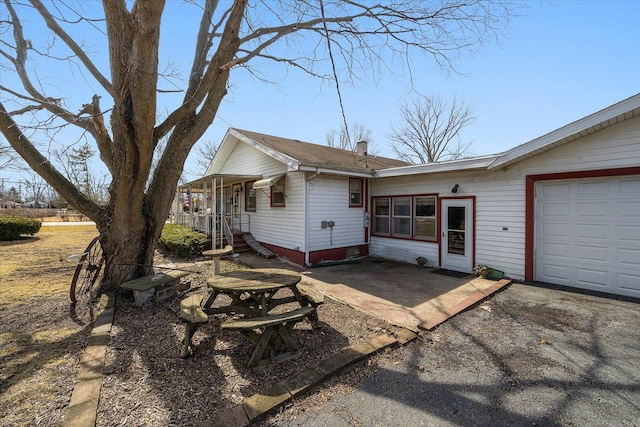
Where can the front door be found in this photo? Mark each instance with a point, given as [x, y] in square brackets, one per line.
[236, 208]
[456, 246]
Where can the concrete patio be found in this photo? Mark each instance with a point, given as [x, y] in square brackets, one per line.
[402, 294]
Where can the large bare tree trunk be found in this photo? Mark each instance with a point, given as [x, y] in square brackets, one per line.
[231, 34]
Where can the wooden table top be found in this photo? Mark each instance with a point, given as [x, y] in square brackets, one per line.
[255, 280]
[218, 252]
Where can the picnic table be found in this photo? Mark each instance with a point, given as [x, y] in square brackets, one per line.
[253, 294]
[252, 291]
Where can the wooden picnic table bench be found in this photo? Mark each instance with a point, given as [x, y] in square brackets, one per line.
[192, 315]
[313, 298]
[162, 285]
[270, 333]
[252, 294]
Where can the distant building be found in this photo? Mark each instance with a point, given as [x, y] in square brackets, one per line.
[35, 204]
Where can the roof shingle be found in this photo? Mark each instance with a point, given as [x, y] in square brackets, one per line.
[315, 155]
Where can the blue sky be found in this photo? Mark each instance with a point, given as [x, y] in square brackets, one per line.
[562, 61]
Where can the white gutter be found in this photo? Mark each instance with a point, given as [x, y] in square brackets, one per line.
[448, 166]
[604, 118]
[318, 170]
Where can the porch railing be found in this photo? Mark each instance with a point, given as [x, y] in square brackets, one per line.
[222, 228]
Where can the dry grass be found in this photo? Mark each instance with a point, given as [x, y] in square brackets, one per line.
[41, 341]
[144, 382]
[37, 266]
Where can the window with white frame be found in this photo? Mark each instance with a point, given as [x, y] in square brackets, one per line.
[424, 218]
[381, 217]
[250, 197]
[401, 217]
[355, 192]
[277, 193]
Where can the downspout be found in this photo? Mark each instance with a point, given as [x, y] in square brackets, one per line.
[366, 209]
[306, 206]
[305, 201]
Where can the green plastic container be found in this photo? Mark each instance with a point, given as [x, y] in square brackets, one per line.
[495, 275]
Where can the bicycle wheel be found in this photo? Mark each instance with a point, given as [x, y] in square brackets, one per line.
[87, 271]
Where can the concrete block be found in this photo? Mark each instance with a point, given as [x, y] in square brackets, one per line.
[232, 417]
[166, 291]
[143, 298]
[82, 415]
[261, 403]
[303, 381]
[404, 336]
[340, 360]
[382, 341]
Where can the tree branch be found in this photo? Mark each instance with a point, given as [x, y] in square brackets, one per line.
[21, 144]
[77, 50]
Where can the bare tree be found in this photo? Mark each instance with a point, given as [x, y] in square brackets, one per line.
[206, 151]
[347, 139]
[353, 37]
[7, 156]
[35, 186]
[431, 130]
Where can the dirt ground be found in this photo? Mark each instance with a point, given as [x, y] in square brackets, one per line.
[145, 383]
[41, 339]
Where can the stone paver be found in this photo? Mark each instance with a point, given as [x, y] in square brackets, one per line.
[82, 410]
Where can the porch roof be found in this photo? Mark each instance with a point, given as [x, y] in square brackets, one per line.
[198, 184]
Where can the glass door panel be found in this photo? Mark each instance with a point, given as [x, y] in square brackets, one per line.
[456, 230]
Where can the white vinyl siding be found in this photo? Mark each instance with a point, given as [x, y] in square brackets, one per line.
[500, 195]
[246, 160]
[279, 226]
[498, 205]
[404, 250]
[328, 200]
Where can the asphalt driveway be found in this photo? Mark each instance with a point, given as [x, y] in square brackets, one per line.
[526, 356]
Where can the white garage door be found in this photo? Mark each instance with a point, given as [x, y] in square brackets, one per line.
[588, 234]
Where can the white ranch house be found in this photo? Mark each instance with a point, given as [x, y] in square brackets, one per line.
[563, 208]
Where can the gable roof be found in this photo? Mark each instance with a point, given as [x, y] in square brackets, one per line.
[595, 122]
[472, 163]
[305, 156]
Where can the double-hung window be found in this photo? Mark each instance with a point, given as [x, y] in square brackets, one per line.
[401, 217]
[250, 197]
[407, 217]
[355, 192]
[278, 193]
[381, 217]
[424, 220]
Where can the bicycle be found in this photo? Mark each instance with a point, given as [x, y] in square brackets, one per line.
[87, 272]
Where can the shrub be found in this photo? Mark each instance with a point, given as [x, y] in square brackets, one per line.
[182, 241]
[11, 227]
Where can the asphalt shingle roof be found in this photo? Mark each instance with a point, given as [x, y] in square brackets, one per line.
[315, 155]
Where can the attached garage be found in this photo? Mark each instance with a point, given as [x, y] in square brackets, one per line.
[587, 234]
